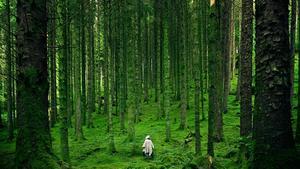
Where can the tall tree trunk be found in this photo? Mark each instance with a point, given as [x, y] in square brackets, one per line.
[77, 83]
[146, 57]
[272, 117]
[9, 74]
[32, 88]
[216, 70]
[297, 138]
[226, 15]
[182, 53]
[107, 111]
[52, 44]
[90, 72]
[246, 68]
[1, 95]
[63, 92]
[161, 60]
[83, 60]
[292, 44]
[246, 76]
[214, 52]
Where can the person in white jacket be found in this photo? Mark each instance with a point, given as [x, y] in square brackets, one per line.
[148, 147]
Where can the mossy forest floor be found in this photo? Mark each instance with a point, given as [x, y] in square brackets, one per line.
[92, 153]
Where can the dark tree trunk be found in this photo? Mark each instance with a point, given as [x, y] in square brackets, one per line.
[214, 51]
[90, 72]
[246, 68]
[226, 15]
[9, 73]
[292, 44]
[297, 138]
[33, 146]
[83, 61]
[274, 145]
[63, 89]
[52, 52]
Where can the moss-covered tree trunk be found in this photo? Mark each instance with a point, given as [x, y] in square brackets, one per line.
[1, 94]
[215, 68]
[90, 58]
[63, 91]
[77, 83]
[9, 75]
[274, 144]
[246, 68]
[297, 138]
[214, 52]
[226, 34]
[182, 54]
[83, 60]
[292, 43]
[52, 52]
[246, 77]
[111, 144]
[33, 146]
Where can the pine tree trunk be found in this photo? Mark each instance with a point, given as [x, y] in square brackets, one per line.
[77, 84]
[9, 73]
[297, 138]
[226, 53]
[83, 60]
[183, 56]
[246, 68]
[32, 84]
[52, 44]
[214, 52]
[1, 94]
[146, 57]
[272, 117]
[107, 111]
[63, 91]
[292, 44]
[90, 72]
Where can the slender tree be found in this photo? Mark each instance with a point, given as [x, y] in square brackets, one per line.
[214, 52]
[52, 53]
[107, 6]
[9, 74]
[246, 68]
[226, 34]
[77, 89]
[292, 43]
[197, 78]
[83, 60]
[246, 76]
[63, 91]
[90, 66]
[272, 117]
[297, 138]
[33, 146]
[182, 54]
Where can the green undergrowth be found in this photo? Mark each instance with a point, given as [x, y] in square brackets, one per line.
[92, 153]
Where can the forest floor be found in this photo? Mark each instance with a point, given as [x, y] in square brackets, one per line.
[92, 153]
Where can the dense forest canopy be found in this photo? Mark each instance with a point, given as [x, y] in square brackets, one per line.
[149, 84]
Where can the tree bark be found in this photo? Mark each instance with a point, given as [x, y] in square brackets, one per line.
[52, 44]
[63, 91]
[274, 145]
[33, 146]
[292, 44]
[9, 77]
[246, 68]
[297, 138]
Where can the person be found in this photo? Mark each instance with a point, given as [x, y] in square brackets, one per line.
[148, 147]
